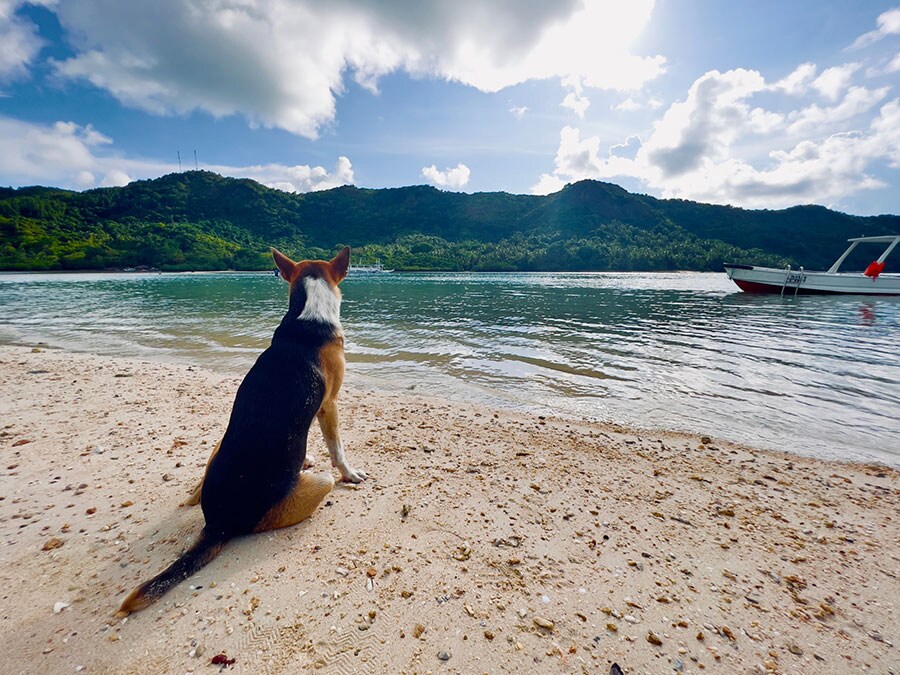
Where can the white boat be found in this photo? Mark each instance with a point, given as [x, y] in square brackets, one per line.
[872, 281]
[376, 268]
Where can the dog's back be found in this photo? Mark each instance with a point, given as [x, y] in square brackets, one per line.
[263, 449]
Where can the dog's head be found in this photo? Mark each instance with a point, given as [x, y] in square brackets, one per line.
[314, 292]
[332, 271]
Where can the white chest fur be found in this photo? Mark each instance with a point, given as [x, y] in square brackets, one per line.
[323, 303]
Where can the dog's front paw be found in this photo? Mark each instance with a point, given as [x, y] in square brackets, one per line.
[350, 475]
[194, 499]
[309, 461]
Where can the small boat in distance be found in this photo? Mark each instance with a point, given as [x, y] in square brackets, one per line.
[375, 268]
[753, 279]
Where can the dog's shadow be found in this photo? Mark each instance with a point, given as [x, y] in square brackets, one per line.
[152, 545]
[161, 539]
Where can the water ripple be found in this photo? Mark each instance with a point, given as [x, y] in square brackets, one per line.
[816, 375]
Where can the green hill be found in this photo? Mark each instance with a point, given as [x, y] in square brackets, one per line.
[200, 220]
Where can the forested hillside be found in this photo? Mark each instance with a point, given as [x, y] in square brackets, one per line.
[199, 220]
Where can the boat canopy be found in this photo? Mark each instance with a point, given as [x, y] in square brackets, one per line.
[877, 240]
[891, 240]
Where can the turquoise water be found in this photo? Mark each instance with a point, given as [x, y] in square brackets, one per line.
[815, 375]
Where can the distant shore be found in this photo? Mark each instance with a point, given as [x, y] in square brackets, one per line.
[485, 541]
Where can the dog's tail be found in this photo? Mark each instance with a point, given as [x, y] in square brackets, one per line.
[202, 552]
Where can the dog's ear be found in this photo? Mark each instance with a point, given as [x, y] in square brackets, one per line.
[341, 264]
[285, 265]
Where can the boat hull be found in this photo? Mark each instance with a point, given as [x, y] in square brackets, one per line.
[752, 279]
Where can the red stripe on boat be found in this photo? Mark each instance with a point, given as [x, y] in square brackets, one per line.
[754, 287]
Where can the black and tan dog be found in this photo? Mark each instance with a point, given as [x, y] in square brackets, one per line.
[254, 480]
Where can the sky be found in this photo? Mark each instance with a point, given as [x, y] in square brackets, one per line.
[758, 104]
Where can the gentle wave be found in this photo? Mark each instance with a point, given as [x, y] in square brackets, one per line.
[814, 375]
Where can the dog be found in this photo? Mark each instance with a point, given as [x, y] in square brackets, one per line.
[254, 480]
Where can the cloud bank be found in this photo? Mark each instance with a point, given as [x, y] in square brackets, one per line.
[71, 156]
[281, 63]
[819, 138]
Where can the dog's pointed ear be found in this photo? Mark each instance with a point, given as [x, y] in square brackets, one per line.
[285, 265]
[341, 264]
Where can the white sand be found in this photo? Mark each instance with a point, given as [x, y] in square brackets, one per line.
[737, 560]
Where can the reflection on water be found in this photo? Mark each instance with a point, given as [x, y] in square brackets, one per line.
[815, 374]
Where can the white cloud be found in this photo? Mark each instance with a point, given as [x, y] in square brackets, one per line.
[548, 184]
[888, 24]
[885, 139]
[519, 111]
[885, 65]
[575, 102]
[894, 65]
[765, 121]
[834, 81]
[85, 179]
[628, 105]
[708, 146]
[573, 81]
[627, 149]
[68, 155]
[115, 178]
[33, 152]
[294, 178]
[857, 101]
[577, 159]
[19, 42]
[706, 123]
[281, 63]
[798, 82]
[455, 177]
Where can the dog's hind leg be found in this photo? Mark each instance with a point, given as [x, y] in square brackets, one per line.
[328, 422]
[194, 499]
[299, 503]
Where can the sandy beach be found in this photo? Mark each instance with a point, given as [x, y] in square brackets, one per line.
[485, 541]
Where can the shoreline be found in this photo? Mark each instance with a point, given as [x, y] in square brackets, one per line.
[369, 383]
[733, 559]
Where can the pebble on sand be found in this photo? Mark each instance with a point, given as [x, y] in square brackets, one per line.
[52, 543]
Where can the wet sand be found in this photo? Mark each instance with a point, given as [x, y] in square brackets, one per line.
[485, 541]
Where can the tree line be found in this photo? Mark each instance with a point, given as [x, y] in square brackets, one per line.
[199, 220]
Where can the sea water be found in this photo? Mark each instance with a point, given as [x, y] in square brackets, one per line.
[816, 375]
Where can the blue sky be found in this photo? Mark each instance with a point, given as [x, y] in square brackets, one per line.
[758, 104]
